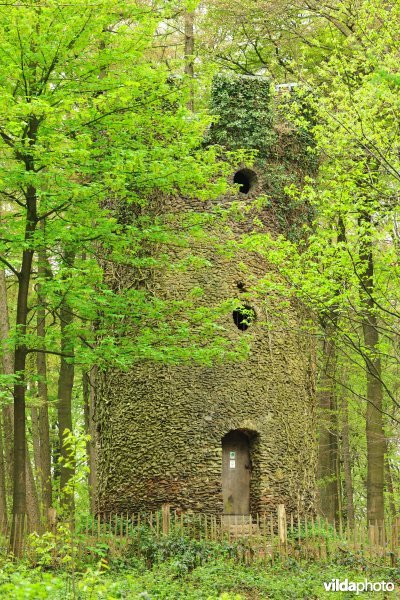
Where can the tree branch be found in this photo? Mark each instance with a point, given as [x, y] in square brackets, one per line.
[9, 265]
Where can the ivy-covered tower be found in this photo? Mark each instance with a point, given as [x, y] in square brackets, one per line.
[235, 437]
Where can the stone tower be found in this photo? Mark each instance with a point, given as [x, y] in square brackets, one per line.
[237, 437]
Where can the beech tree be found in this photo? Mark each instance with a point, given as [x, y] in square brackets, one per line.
[347, 73]
[86, 119]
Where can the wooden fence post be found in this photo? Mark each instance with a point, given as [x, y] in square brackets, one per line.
[52, 519]
[272, 538]
[166, 515]
[282, 527]
[264, 522]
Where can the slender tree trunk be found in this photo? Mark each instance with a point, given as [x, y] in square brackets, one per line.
[26, 159]
[328, 447]
[43, 416]
[374, 423]
[88, 396]
[8, 369]
[330, 504]
[189, 53]
[7, 412]
[64, 405]
[8, 420]
[32, 499]
[45, 454]
[20, 354]
[19, 475]
[339, 494]
[55, 453]
[35, 438]
[389, 483]
[348, 478]
[32, 508]
[3, 423]
[3, 490]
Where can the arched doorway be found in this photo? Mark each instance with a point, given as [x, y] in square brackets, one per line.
[236, 473]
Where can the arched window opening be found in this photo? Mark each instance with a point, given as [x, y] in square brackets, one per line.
[243, 317]
[246, 179]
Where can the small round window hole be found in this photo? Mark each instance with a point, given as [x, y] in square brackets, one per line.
[246, 179]
[243, 317]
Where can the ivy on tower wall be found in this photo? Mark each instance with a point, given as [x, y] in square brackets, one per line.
[160, 426]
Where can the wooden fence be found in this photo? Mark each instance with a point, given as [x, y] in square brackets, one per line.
[266, 536]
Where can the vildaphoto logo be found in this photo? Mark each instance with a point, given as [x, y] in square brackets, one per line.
[358, 586]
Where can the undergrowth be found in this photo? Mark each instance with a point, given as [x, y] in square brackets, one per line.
[176, 567]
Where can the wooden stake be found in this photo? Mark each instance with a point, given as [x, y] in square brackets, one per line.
[282, 528]
[165, 511]
[157, 524]
[265, 536]
[272, 538]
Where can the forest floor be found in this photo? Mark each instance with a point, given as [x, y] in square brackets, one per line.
[219, 578]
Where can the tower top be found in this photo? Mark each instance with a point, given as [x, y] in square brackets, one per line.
[242, 106]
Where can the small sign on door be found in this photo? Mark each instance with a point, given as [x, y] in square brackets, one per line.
[232, 464]
[232, 455]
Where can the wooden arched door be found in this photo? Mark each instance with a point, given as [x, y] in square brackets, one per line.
[236, 473]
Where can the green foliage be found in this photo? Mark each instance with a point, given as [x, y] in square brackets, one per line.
[88, 122]
[242, 106]
[53, 549]
[75, 458]
[183, 553]
[219, 579]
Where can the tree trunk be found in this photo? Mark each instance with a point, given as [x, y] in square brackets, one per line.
[348, 478]
[8, 420]
[189, 54]
[20, 354]
[389, 484]
[26, 160]
[64, 405]
[8, 369]
[26, 479]
[32, 508]
[374, 423]
[88, 396]
[3, 491]
[328, 447]
[55, 454]
[330, 505]
[32, 499]
[35, 438]
[43, 416]
[3, 422]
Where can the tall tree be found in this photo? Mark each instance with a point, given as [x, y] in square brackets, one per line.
[88, 383]
[8, 418]
[328, 441]
[353, 92]
[43, 410]
[3, 334]
[65, 385]
[348, 478]
[189, 52]
[88, 123]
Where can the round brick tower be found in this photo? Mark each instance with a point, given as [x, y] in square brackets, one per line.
[236, 437]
